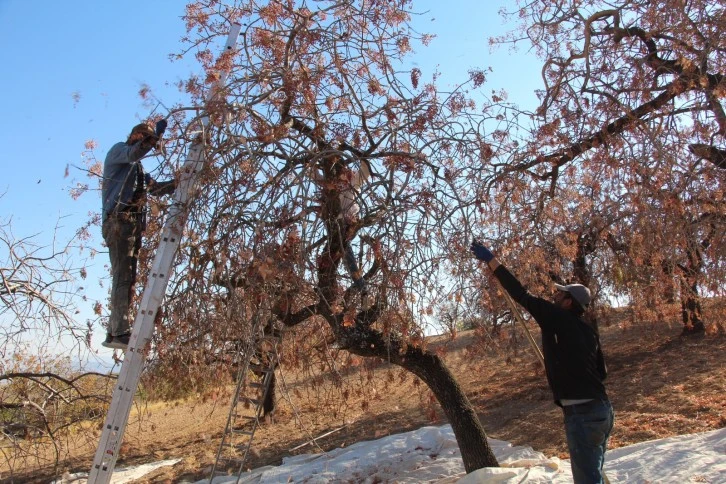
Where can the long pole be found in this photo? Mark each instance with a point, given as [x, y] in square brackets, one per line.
[135, 356]
[512, 305]
[520, 320]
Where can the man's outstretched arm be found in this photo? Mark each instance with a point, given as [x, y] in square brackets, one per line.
[537, 307]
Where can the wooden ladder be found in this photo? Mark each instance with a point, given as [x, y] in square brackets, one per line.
[254, 380]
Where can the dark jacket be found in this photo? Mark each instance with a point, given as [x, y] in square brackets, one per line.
[123, 178]
[573, 357]
[122, 175]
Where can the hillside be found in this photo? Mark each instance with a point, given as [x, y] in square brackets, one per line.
[660, 384]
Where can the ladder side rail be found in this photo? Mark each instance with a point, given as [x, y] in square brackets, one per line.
[134, 359]
[241, 374]
[267, 380]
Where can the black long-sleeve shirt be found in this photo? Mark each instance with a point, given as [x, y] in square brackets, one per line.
[573, 358]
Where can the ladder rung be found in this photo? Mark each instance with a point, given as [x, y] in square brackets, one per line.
[241, 432]
[251, 401]
[229, 460]
[237, 415]
[243, 425]
[260, 369]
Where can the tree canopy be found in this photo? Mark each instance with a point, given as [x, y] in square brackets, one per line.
[615, 181]
[625, 144]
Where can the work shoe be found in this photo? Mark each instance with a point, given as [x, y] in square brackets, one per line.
[120, 342]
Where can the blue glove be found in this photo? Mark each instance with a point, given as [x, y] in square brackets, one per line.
[160, 127]
[481, 252]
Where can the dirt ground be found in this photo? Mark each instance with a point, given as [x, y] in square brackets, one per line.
[660, 385]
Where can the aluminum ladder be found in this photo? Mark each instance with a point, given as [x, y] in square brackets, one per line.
[114, 427]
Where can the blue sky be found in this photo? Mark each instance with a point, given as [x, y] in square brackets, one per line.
[72, 71]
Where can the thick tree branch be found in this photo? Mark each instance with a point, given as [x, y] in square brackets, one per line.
[717, 156]
[562, 157]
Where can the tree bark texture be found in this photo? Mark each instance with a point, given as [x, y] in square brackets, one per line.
[475, 450]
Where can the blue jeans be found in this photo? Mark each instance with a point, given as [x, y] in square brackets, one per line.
[588, 426]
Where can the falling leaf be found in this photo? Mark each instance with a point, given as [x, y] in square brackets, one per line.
[144, 91]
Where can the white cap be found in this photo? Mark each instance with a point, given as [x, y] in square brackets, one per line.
[579, 293]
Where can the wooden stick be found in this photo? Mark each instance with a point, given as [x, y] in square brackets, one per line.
[520, 319]
[316, 438]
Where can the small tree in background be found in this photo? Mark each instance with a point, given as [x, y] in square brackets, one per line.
[43, 395]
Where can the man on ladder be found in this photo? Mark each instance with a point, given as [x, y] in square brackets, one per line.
[104, 461]
[124, 220]
[574, 364]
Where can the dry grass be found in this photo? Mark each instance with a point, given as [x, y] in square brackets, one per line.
[660, 384]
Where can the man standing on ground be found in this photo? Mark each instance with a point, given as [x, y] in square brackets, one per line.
[574, 364]
[124, 220]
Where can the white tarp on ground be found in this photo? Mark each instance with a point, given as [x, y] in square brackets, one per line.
[430, 454]
[120, 476]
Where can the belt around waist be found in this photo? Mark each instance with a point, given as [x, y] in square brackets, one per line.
[585, 407]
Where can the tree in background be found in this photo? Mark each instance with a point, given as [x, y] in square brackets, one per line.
[43, 395]
[631, 108]
[37, 290]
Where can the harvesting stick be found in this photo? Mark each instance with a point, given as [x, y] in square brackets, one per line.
[510, 302]
[520, 319]
[143, 328]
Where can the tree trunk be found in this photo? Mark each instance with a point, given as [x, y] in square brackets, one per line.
[470, 435]
[690, 302]
[362, 340]
[475, 450]
[691, 309]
